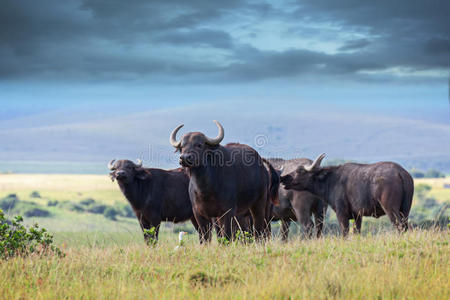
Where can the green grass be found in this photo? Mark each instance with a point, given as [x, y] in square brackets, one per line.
[438, 191]
[385, 266]
[109, 260]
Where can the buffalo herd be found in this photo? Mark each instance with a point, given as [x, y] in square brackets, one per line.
[231, 187]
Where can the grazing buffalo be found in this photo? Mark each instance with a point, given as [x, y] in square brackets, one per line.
[297, 205]
[155, 195]
[226, 181]
[357, 190]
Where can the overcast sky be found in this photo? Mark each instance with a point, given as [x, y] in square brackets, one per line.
[169, 53]
[356, 79]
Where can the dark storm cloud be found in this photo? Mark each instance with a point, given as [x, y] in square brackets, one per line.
[271, 64]
[355, 44]
[203, 37]
[405, 32]
[201, 40]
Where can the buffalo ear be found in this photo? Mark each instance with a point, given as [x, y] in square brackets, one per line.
[142, 174]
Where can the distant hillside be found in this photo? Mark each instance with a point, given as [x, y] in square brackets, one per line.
[83, 136]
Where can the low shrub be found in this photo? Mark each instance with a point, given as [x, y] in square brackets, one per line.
[71, 206]
[9, 202]
[16, 239]
[52, 203]
[124, 210]
[110, 213]
[87, 201]
[35, 194]
[37, 212]
[97, 209]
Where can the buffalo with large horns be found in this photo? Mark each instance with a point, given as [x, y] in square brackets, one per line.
[155, 195]
[357, 190]
[226, 181]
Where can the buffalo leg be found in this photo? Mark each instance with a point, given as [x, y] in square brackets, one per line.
[268, 218]
[225, 225]
[319, 218]
[304, 217]
[285, 229]
[343, 223]
[302, 212]
[396, 216]
[258, 212]
[216, 227]
[396, 220]
[358, 223]
[204, 228]
[150, 237]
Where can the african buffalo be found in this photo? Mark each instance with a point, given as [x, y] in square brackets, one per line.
[155, 195]
[297, 205]
[357, 190]
[226, 181]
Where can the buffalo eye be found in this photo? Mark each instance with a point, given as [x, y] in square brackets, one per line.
[198, 146]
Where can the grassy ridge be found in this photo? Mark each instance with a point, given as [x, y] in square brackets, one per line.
[413, 265]
[73, 187]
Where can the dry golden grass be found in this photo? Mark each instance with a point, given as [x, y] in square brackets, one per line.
[438, 191]
[61, 187]
[386, 266]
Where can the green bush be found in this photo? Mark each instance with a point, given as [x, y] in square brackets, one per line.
[97, 209]
[37, 212]
[87, 201]
[52, 203]
[110, 213]
[434, 174]
[124, 210]
[9, 202]
[431, 173]
[416, 173]
[16, 239]
[71, 206]
[35, 194]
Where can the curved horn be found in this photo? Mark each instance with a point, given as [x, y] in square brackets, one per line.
[219, 138]
[173, 137]
[316, 163]
[111, 164]
[139, 163]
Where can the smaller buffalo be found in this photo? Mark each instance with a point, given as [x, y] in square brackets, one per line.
[357, 190]
[297, 206]
[155, 195]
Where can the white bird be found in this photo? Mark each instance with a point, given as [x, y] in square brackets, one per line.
[180, 240]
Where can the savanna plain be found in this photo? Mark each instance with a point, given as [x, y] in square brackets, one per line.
[106, 257]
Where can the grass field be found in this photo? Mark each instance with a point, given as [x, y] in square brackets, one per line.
[438, 190]
[61, 187]
[387, 266]
[108, 259]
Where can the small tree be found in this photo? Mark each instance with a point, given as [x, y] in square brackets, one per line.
[16, 239]
[434, 174]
